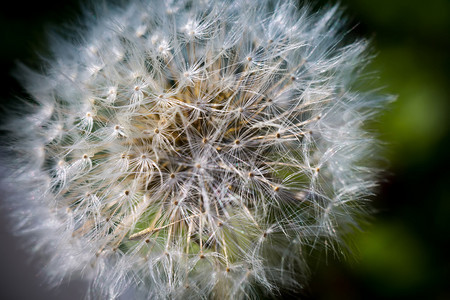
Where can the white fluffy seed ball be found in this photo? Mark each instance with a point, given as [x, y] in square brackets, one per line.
[193, 149]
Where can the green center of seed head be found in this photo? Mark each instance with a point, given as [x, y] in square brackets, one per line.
[226, 227]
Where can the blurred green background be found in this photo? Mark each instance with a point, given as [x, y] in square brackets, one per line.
[404, 254]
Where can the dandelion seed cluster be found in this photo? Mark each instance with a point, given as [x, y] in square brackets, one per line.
[194, 149]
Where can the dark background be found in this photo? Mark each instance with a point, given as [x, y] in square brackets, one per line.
[404, 254]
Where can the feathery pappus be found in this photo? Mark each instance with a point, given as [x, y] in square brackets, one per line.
[193, 149]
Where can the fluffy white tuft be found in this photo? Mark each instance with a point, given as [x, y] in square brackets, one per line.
[193, 149]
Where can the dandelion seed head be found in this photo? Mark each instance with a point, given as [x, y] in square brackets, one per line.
[195, 149]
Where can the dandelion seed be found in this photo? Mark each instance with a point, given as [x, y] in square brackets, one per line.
[193, 149]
